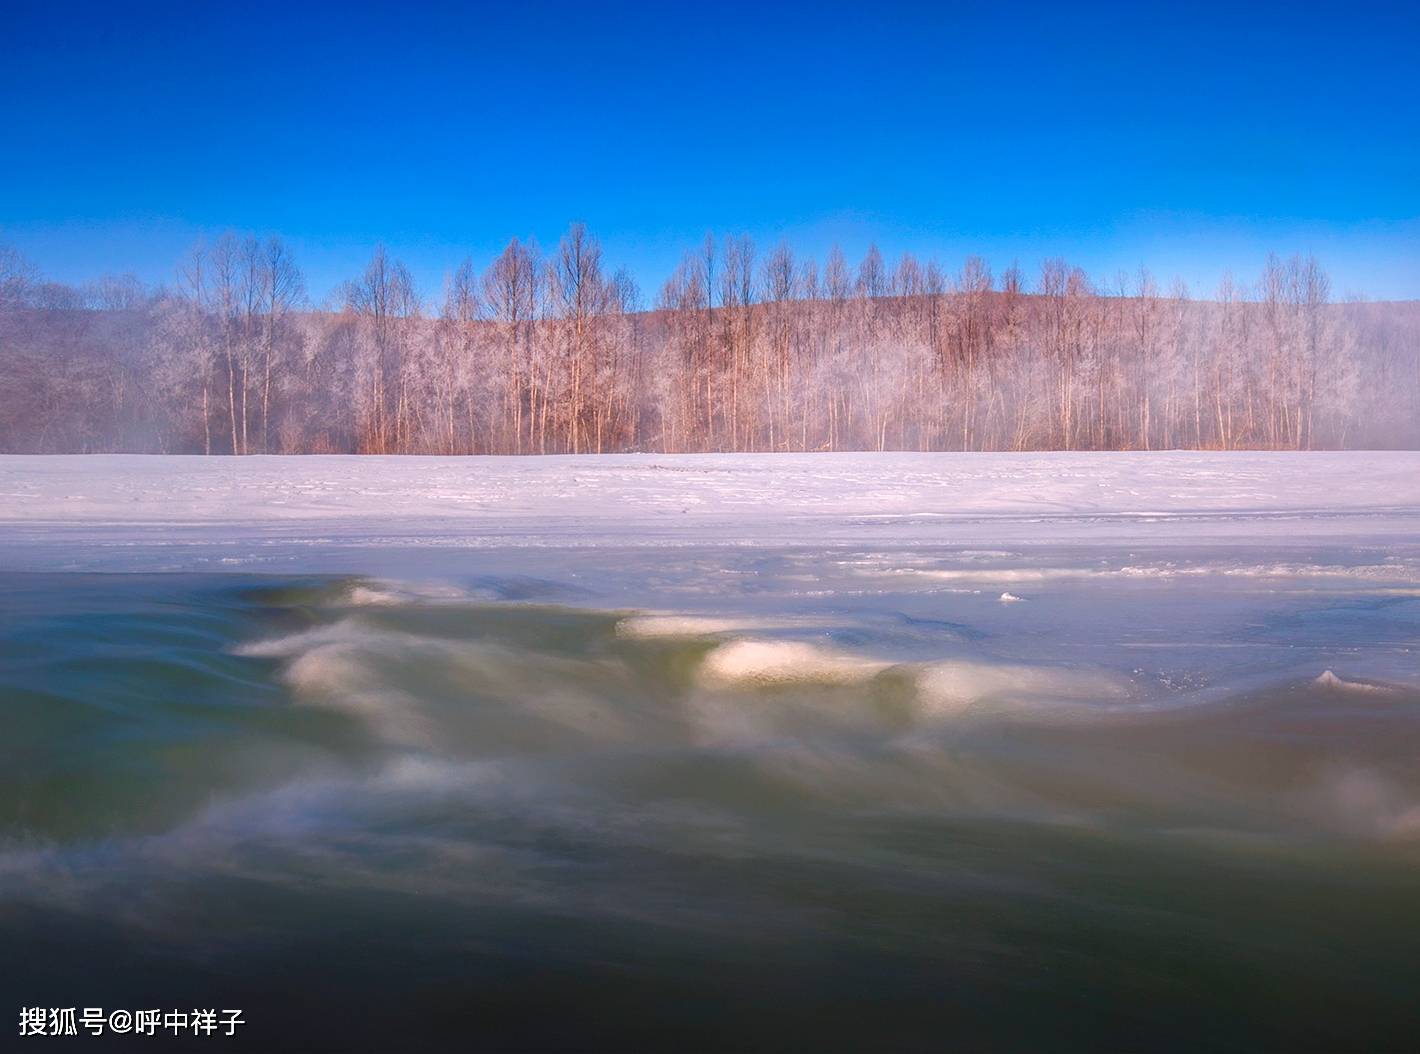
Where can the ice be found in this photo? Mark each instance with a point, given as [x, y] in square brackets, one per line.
[1329, 680]
[1193, 571]
[752, 662]
[955, 686]
[256, 510]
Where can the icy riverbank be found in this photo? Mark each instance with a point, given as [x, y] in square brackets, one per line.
[632, 500]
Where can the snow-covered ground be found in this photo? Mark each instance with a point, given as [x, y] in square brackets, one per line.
[636, 500]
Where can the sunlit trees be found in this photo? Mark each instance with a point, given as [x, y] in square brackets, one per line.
[574, 378]
[386, 309]
[684, 383]
[234, 315]
[739, 351]
[512, 297]
[283, 290]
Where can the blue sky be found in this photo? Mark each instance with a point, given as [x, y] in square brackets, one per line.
[1192, 138]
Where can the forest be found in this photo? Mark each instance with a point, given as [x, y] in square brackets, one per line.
[556, 352]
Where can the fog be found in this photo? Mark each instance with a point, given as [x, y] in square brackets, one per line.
[738, 351]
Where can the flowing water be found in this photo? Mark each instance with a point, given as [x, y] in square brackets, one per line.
[819, 800]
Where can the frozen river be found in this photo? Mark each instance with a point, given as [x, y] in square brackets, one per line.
[849, 751]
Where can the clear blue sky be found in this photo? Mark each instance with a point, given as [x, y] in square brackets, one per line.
[1193, 138]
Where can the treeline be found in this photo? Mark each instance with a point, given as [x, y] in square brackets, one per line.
[552, 353]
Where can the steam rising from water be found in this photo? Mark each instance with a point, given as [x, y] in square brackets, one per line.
[716, 821]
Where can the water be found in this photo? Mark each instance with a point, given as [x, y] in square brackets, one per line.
[845, 799]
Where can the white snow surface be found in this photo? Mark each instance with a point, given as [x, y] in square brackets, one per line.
[737, 499]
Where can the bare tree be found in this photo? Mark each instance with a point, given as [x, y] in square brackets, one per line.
[386, 306]
[737, 352]
[283, 290]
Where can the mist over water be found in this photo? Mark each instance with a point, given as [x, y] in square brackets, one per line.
[858, 798]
